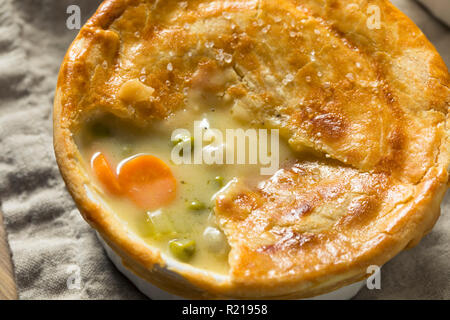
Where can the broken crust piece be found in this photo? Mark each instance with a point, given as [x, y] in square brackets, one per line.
[370, 105]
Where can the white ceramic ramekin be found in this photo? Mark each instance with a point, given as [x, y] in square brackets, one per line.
[156, 293]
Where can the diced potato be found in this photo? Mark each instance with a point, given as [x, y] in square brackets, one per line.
[160, 221]
[156, 225]
[182, 249]
[215, 240]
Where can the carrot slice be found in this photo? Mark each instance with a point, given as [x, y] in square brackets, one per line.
[105, 174]
[148, 181]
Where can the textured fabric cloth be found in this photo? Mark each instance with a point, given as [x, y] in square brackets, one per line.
[439, 8]
[55, 253]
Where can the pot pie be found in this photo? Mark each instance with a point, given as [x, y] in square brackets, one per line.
[361, 114]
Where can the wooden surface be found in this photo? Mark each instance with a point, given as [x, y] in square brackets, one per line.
[7, 286]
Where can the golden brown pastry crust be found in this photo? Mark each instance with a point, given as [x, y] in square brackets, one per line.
[374, 101]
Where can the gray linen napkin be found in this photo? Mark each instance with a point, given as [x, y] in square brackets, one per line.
[439, 8]
[55, 253]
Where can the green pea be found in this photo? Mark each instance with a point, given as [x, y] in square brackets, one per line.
[100, 130]
[182, 249]
[196, 205]
[219, 181]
